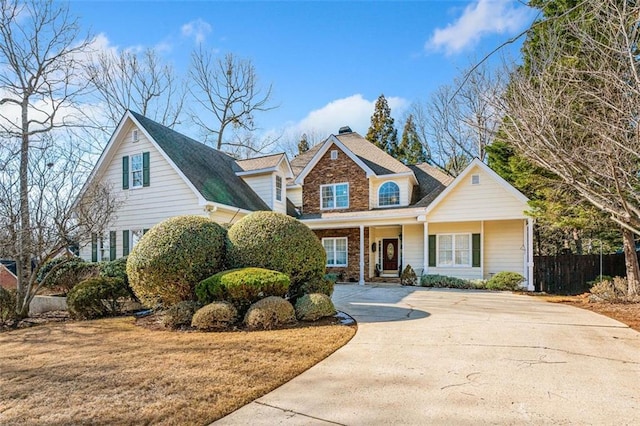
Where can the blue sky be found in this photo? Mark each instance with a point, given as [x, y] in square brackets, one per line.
[327, 61]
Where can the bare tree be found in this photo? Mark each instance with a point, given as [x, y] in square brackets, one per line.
[40, 55]
[575, 112]
[459, 120]
[138, 81]
[227, 90]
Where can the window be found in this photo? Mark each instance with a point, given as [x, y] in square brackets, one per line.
[135, 237]
[454, 250]
[389, 194]
[136, 170]
[334, 196]
[334, 155]
[278, 188]
[336, 249]
[105, 249]
[134, 136]
[475, 179]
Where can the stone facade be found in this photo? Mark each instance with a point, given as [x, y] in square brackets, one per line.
[350, 273]
[327, 171]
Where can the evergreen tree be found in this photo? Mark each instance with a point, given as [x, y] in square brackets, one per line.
[410, 150]
[303, 145]
[382, 132]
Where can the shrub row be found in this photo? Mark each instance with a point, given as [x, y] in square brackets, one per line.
[500, 281]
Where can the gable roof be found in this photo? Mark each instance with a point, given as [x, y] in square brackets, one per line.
[370, 158]
[462, 176]
[209, 171]
[267, 163]
[431, 182]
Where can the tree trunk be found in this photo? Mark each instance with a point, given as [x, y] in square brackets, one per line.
[631, 262]
[23, 261]
[577, 241]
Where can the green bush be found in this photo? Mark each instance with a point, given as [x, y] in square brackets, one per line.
[173, 257]
[323, 285]
[7, 305]
[117, 269]
[268, 313]
[408, 276]
[275, 241]
[505, 281]
[312, 307]
[443, 281]
[215, 316]
[599, 279]
[180, 314]
[97, 297]
[63, 273]
[243, 287]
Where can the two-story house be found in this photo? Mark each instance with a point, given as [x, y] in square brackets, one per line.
[373, 214]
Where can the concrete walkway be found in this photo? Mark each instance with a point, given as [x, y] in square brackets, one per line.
[424, 356]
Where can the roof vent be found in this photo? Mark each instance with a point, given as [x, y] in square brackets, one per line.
[344, 129]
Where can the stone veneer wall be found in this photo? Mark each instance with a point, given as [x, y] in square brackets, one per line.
[352, 271]
[327, 171]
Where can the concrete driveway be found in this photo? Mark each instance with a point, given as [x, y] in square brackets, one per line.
[424, 356]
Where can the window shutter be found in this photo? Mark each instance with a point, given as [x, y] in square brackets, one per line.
[432, 250]
[112, 245]
[145, 169]
[475, 250]
[94, 247]
[125, 172]
[125, 243]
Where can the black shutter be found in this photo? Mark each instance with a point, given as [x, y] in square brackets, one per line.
[432, 250]
[125, 172]
[125, 243]
[145, 169]
[94, 247]
[112, 245]
[475, 250]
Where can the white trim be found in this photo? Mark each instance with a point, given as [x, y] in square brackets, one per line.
[9, 271]
[361, 278]
[529, 250]
[335, 197]
[141, 155]
[462, 177]
[339, 265]
[332, 140]
[380, 188]
[453, 250]
[425, 255]
[275, 190]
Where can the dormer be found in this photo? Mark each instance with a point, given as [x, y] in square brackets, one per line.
[267, 176]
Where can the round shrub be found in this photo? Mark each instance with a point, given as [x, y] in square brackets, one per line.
[242, 287]
[269, 312]
[96, 297]
[117, 269]
[180, 314]
[322, 285]
[312, 307]
[275, 241]
[215, 316]
[173, 257]
[505, 281]
[63, 273]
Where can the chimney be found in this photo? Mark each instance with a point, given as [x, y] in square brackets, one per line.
[344, 129]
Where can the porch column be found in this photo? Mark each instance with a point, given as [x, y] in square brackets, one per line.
[361, 282]
[425, 257]
[530, 283]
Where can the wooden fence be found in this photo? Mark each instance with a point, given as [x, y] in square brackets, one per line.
[569, 274]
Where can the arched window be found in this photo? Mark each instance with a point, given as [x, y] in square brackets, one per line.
[389, 194]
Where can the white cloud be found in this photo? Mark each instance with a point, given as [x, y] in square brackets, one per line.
[480, 18]
[198, 29]
[353, 111]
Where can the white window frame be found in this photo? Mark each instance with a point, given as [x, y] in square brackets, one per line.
[104, 247]
[135, 135]
[453, 263]
[333, 206]
[380, 189]
[334, 154]
[133, 171]
[333, 240]
[278, 188]
[134, 237]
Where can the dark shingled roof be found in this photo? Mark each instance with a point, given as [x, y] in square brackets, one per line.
[210, 171]
[431, 183]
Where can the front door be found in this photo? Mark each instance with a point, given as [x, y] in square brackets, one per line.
[390, 254]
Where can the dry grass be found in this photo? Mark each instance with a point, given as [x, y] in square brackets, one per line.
[114, 372]
[626, 313]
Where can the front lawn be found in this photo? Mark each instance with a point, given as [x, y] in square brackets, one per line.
[112, 371]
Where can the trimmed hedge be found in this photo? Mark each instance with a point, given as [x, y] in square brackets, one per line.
[242, 287]
[275, 241]
[443, 281]
[180, 314]
[63, 273]
[96, 298]
[312, 307]
[323, 285]
[215, 316]
[268, 313]
[505, 281]
[173, 257]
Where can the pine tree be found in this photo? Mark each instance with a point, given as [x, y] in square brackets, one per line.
[382, 132]
[410, 150]
[303, 145]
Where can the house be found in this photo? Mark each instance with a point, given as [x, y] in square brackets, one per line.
[8, 278]
[373, 214]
